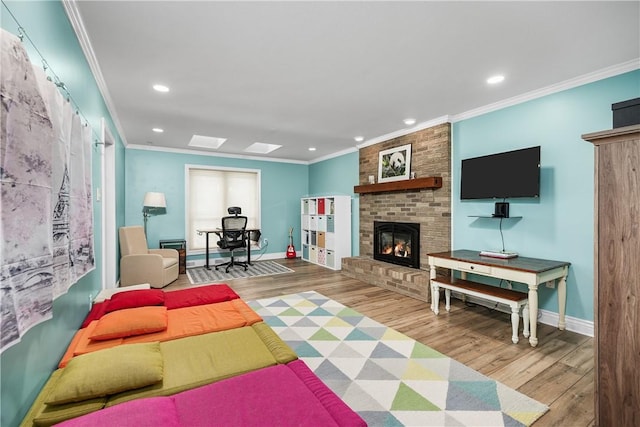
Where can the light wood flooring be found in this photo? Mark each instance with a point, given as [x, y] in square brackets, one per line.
[558, 372]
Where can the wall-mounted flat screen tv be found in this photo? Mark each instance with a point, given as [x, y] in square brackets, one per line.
[502, 175]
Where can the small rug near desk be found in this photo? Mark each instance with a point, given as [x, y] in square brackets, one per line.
[198, 275]
[387, 377]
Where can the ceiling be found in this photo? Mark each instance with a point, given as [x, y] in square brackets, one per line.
[317, 74]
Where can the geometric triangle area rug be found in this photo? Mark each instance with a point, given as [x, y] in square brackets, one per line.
[388, 378]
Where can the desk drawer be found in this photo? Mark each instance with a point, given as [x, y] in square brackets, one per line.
[474, 268]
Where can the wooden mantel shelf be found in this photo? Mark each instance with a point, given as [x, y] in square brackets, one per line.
[432, 182]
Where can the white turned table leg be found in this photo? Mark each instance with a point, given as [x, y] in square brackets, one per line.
[515, 322]
[533, 314]
[525, 320]
[436, 299]
[432, 275]
[447, 299]
[562, 302]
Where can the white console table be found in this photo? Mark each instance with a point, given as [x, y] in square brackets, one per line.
[531, 271]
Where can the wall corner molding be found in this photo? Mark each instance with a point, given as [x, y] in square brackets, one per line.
[75, 18]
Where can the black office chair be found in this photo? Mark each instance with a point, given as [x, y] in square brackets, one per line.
[233, 236]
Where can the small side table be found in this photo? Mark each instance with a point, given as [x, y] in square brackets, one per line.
[179, 245]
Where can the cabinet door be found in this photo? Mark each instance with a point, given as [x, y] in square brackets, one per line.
[618, 286]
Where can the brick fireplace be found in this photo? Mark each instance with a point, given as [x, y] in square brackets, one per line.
[430, 208]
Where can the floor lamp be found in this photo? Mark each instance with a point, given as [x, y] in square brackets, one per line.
[154, 204]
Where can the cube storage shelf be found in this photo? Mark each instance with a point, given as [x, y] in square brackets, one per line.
[326, 230]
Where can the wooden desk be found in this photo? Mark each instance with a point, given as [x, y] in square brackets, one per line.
[217, 231]
[531, 271]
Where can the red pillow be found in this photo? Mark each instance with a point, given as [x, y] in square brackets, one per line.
[134, 299]
[97, 311]
[200, 295]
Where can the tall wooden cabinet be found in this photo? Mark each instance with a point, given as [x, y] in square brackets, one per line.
[326, 230]
[617, 276]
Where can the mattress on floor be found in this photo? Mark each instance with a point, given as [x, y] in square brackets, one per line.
[283, 395]
[187, 362]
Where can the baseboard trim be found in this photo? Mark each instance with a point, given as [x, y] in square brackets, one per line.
[546, 317]
[579, 326]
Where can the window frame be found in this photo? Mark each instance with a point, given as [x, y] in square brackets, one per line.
[213, 248]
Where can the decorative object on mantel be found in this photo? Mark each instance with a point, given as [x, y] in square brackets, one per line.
[431, 182]
[394, 164]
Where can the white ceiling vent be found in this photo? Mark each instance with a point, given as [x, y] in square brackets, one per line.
[261, 148]
[206, 141]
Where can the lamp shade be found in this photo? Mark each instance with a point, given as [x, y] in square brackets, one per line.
[154, 203]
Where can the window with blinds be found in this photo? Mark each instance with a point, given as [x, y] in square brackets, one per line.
[210, 191]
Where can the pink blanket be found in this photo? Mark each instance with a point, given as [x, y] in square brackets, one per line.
[282, 395]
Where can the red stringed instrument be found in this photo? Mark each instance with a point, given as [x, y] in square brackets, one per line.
[291, 250]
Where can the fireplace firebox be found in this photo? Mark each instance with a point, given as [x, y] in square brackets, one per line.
[397, 243]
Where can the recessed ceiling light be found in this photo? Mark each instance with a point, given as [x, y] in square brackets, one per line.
[206, 141]
[261, 148]
[161, 88]
[312, 148]
[495, 79]
[409, 122]
[157, 130]
[359, 138]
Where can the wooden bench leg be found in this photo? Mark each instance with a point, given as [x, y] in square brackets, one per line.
[435, 291]
[525, 320]
[447, 299]
[515, 322]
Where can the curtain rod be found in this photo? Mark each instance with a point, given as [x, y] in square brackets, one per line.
[47, 68]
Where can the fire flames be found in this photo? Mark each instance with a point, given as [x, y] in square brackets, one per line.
[401, 249]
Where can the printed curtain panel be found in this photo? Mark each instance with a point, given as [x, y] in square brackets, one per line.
[46, 214]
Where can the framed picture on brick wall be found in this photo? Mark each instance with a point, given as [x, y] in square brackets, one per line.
[394, 164]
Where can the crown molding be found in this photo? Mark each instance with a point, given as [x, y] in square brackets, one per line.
[75, 18]
[604, 73]
[403, 132]
[210, 154]
[334, 155]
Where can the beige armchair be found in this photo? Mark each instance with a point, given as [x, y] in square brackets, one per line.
[139, 264]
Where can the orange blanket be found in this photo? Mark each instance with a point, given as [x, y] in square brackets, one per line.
[181, 322]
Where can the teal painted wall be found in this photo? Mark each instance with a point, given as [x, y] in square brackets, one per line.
[27, 365]
[282, 186]
[338, 176]
[560, 225]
